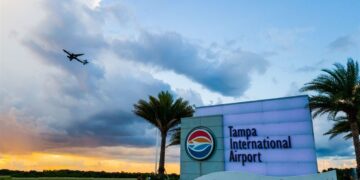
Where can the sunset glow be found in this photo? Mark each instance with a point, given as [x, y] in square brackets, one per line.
[45, 161]
[324, 164]
[48, 161]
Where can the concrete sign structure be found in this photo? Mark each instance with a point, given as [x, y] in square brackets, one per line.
[236, 175]
[268, 137]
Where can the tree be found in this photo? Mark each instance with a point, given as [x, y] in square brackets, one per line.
[164, 113]
[338, 95]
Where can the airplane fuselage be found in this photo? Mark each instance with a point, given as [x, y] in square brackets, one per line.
[71, 57]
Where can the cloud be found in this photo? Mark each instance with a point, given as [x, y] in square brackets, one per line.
[72, 26]
[112, 129]
[293, 89]
[19, 137]
[335, 149]
[70, 105]
[335, 162]
[311, 68]
[190, 94]
[286, 39]
[326, 147]
[343, 44]
[226, 72]
[104, 119]
[307, 69]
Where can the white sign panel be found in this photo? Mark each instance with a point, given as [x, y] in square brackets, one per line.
[269, 137]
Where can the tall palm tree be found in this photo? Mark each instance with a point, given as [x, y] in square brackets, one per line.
[338, 95]
[164, 113]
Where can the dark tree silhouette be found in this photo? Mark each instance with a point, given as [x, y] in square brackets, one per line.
[338, 95]
[164, 113]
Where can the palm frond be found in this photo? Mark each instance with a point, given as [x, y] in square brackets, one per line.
[175, 136]
[337, 92]
[162, 111]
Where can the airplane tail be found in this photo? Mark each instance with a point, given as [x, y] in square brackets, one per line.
[85, 62]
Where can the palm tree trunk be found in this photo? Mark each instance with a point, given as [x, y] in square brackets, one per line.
[162, 154]
[355, 135]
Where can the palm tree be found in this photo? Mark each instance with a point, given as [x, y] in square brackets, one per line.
[164, 113]
[338, 95]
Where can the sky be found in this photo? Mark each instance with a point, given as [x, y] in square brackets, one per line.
[56, 114]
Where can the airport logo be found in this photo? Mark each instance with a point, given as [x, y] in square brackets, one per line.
[199, 143]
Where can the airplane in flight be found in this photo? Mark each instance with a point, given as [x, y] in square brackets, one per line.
[73, 56]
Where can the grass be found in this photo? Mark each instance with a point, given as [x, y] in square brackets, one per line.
[5, 177]
[61, 178]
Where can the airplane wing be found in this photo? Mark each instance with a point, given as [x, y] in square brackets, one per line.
[66, 52]
[77, 55]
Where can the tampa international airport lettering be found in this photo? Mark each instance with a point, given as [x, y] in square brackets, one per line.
[238, 145]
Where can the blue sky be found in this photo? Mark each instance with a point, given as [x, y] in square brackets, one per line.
[302, 36]
[208, 52]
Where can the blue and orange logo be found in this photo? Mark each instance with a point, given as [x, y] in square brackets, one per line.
[199, 143]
